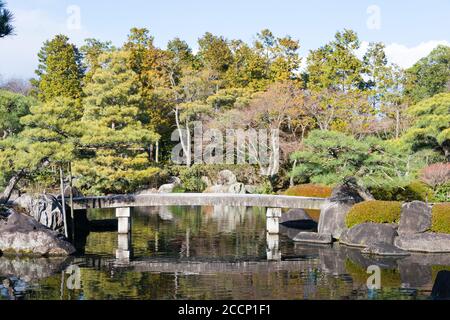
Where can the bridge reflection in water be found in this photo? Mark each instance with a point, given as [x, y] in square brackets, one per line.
[124, 251]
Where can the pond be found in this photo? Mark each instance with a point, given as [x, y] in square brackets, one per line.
[211, 253]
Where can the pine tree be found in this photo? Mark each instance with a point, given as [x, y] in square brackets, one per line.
[115, 140]
[60, 70]
[92, 49]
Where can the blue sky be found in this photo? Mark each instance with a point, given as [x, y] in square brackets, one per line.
[410, 29]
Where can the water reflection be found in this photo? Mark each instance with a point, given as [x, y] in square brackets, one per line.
[18, 274]
[213, 253]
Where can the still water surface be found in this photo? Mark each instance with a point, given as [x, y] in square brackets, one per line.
[207, 253]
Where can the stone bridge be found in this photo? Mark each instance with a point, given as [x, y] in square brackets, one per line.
[198, 199]
[123, 204]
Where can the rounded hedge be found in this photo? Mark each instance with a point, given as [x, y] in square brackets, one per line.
[310, 190]
[441, 218]
[374, 211]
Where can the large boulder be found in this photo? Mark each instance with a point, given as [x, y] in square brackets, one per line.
[227, 183]
[424, 242]
[169, 187]
[415, 218]
[237, 188]
[226, 177]
[332, 218]
[366, 234]
[343, 197]
[46, 209]
[250, 189]
[22, 234]
[350, 192]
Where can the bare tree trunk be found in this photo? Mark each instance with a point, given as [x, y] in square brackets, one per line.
[63, 201]
[4, 198]
[291, 181]
[397, 124]
[189, 144]
[151, 152]
[157, 152]
[185, 146]
[72, 215]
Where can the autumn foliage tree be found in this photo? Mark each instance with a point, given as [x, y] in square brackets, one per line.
[437, 174]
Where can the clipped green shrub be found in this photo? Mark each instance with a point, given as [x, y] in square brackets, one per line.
[264, 188]
[374, 211]
[415, 190]
[179, 189]
[310, 190]
[191, 179]
[441, 218]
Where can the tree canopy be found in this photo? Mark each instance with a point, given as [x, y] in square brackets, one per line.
[110, 111]
[430, 75]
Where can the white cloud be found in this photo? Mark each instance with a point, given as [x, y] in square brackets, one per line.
[18, 54]
[405, 56]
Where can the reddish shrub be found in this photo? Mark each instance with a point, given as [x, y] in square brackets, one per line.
[436, 174]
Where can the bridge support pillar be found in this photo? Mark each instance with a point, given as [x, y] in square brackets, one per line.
[273, 220]
[273, 247]
[124, 220]
[123, 251]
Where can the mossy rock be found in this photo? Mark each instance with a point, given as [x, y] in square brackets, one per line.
[310, 190]
[374, 211]
[441, 218]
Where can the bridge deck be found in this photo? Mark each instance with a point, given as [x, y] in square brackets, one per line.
[203, 267]
[198, 199]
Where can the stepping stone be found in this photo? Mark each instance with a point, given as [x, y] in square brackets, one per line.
[312, 237]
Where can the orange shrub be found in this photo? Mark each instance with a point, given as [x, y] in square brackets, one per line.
[310, 190]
